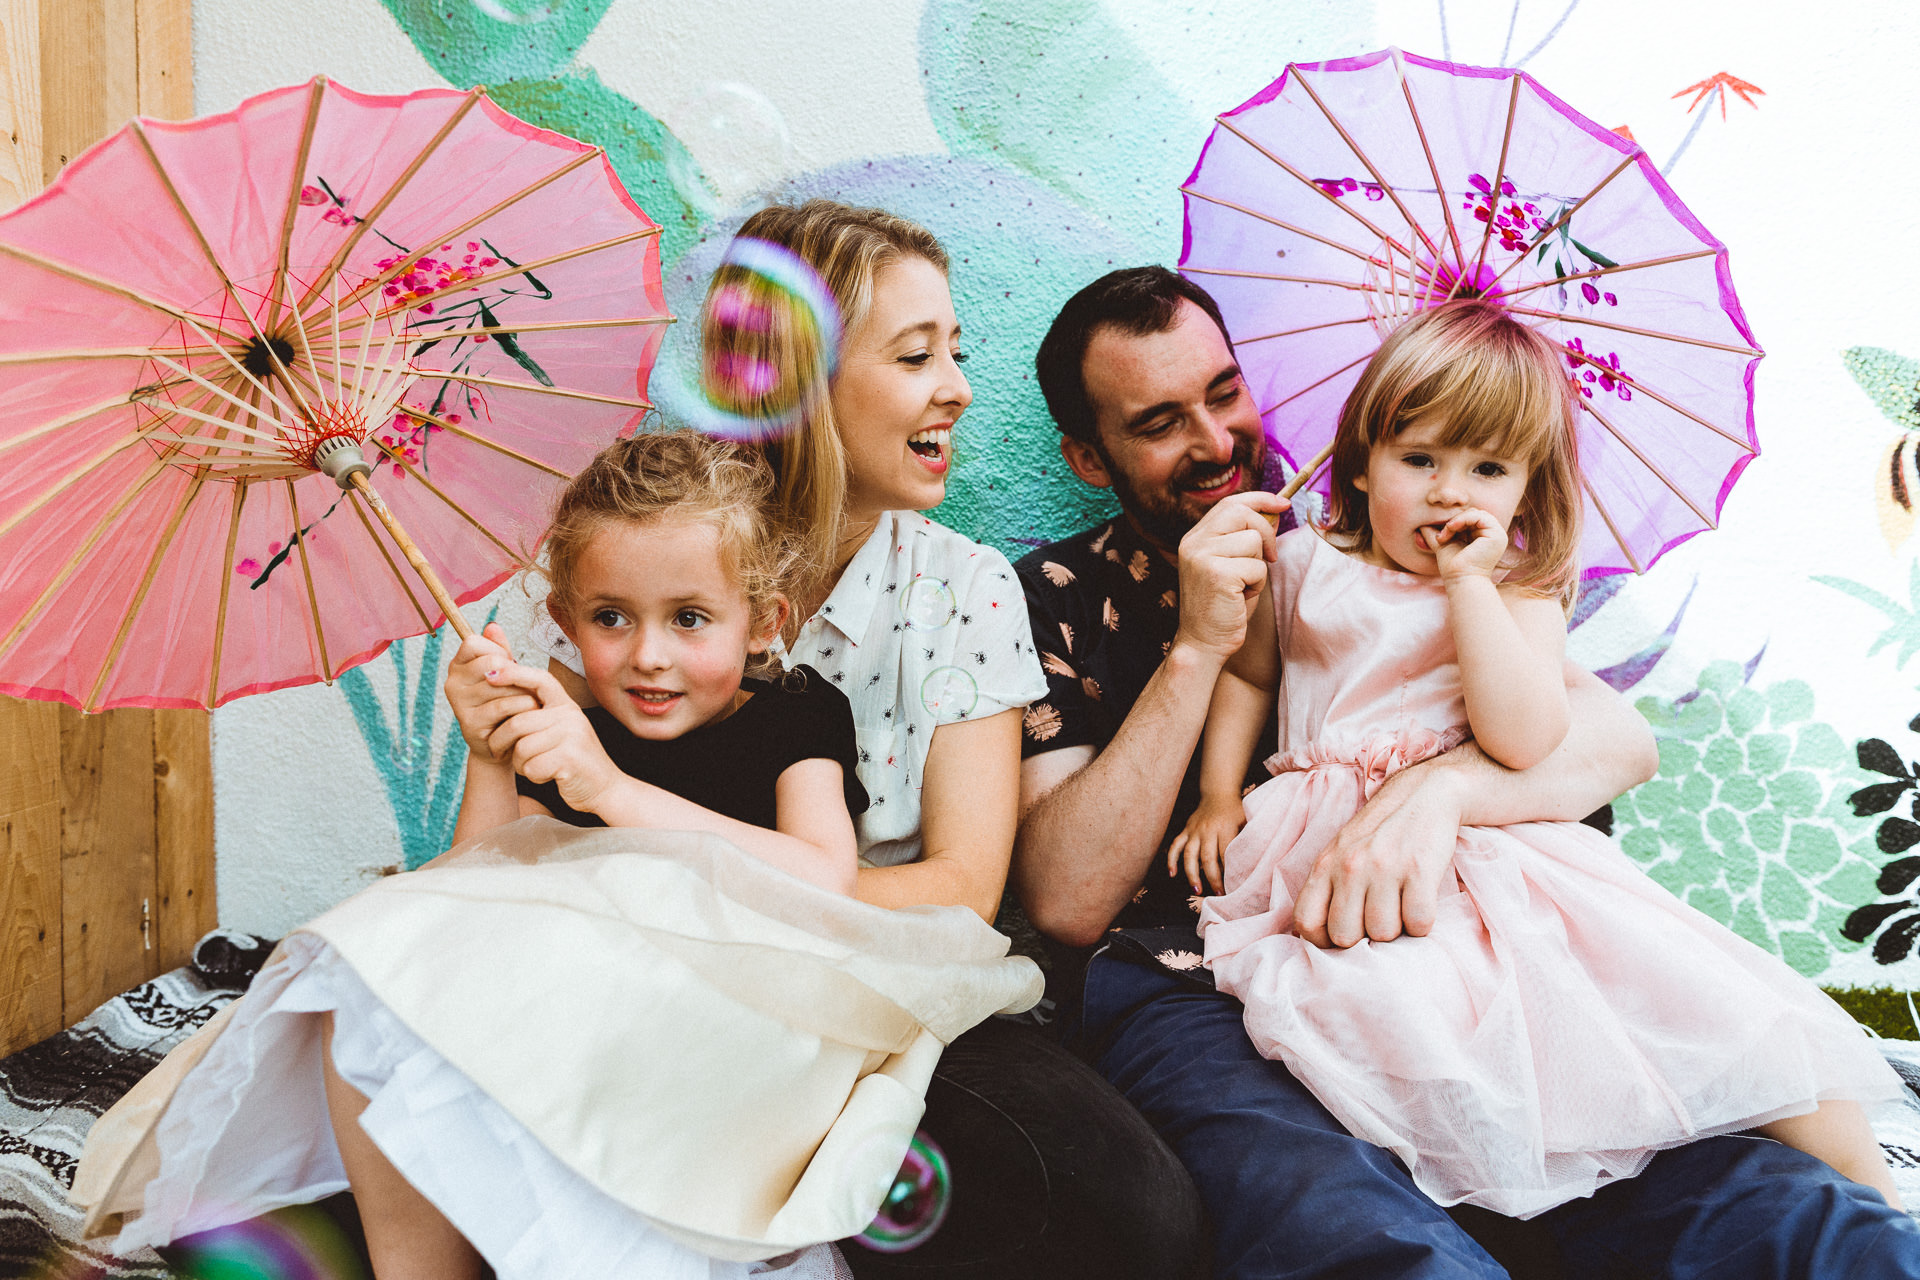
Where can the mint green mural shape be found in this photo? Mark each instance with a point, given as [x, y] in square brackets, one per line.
[487, 41]
[1055, 89]
[1748, 819]
[423, 784]
[1903, 620]
[1891, 381]
[659, 172]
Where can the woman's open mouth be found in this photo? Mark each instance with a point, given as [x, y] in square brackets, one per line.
[930, 447]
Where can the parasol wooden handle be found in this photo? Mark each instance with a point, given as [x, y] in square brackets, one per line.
[1307, 472]
[437, 588]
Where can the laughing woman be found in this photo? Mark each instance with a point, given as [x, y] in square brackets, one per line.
[1054, 1175]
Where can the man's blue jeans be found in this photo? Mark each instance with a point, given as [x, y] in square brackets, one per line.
[1292, 1195]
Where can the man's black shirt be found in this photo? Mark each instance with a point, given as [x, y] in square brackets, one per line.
[1104, 605]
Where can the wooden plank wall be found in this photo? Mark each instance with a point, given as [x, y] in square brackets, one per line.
[106, 822]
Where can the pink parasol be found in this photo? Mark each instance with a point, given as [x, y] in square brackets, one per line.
[240, 357]
[1349, 194]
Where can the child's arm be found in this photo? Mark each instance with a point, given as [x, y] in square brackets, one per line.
[489, 799]
[1242, 700]
[1510, 643]
[553, 742]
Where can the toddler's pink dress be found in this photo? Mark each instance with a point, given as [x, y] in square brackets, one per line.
[1565, 1018]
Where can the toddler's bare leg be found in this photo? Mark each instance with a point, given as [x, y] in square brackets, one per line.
[1838, 1133]
[407, 1237]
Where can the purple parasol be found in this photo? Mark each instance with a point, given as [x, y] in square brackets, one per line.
[1347, 195]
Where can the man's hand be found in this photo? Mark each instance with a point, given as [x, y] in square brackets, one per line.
[1381, 875]
[1223, 566]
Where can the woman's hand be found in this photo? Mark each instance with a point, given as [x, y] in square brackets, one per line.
[1469, 545]
[481, 704]
[1202, 844]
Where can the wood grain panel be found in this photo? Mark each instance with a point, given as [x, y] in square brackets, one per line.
[30, 987]
[73, 71]
[107, 855]
[19, 101]
[165, 45]
[184, 908]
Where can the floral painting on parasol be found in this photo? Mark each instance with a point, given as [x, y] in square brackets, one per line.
[282, 385]
[1349, 194]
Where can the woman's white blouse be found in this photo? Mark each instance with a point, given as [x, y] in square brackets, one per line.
[925, 627]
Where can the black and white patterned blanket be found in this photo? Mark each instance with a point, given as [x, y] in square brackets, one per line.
[51, 1093]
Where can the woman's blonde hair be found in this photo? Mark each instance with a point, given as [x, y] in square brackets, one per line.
[845, 247]
[1494, 384]
[676, 475]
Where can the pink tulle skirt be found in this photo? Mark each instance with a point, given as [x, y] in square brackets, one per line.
[1565, 1018]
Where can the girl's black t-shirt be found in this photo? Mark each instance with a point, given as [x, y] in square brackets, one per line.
[730, 765]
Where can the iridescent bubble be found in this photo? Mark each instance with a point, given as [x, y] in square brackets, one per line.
[738, 137]
[927, 604]
[917, 1202]
[949, 693]
[769, 341]
[299, 1242]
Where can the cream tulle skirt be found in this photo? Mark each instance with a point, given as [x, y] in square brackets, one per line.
[598, 1053]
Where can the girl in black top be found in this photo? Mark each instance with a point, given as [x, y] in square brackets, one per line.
[665, 571]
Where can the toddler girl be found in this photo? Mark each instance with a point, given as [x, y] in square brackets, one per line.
[1565, 1017]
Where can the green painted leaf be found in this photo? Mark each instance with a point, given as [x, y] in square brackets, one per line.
[488, 41]
[658, 172]
[1891, 381]
[1743, 792]
[1746, 710]
[1724, 758]
[1790, 701]
[1766, 828]
[1594, 255]
[1783, 897]
[1657, 799]
[1751, 925]
[1711, 901]
[1796, 793]
[1820, 746]
[1805, 953]
[1813, 850]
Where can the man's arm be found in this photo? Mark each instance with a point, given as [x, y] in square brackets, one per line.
[1381, 875]
[1090, 824]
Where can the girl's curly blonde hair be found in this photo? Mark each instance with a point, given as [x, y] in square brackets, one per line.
[677, 475]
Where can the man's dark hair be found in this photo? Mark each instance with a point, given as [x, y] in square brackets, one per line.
[1135, 300]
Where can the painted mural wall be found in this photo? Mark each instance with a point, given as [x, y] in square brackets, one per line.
[1043, 141]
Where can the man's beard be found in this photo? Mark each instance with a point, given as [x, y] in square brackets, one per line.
[1165, 517]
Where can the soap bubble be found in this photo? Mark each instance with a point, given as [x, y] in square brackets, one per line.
[737, 136]
[299, 1242]
[927, 604]
[949, 693]
[917, 1202]
[769, 341]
